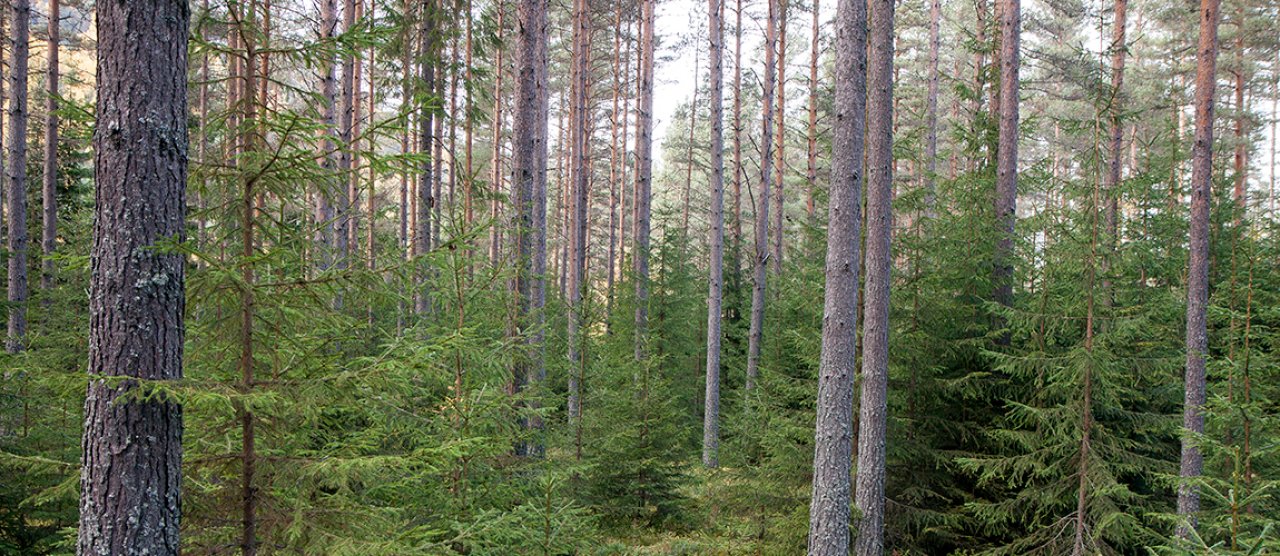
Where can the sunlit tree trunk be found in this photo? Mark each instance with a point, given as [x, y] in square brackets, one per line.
[1197, 343]
[1007, 149]
[49, 191]
[780, 142]
[581, 167]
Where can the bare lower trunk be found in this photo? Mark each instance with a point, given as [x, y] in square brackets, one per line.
[833, 430]
[1192, 461]
[529, 182]
[427, 174]
[644, 175]
[581, 166]
[715, 281]
[49, 235]
[755, 333]
[873, 409]
[130, 490]
[811, 209]
[495, 204]
[931, 112]
[780, 144]
[16, 178]
[1007, 150]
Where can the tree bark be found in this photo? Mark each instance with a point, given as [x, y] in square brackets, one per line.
[810, 205]
[581, 166]
[1116, 149]
[736, 249]
[833, 431]
[755, 333]
[131, 476]
[616, 160]
[427, 174]
[17, 177]
[1192, 461]
[529, 180]
[715, 282]
[873, 409]
[644, 176]
[780, 144]
[495, 204]
[931, 112]
[49, 191]
[1006, 204]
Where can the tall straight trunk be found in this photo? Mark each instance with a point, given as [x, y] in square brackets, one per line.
[833, 430]
[1192, 461]
[130, 489]
[468, 127]
[245, 139]
[1081, 541]
[452, 117]
[495, 203]
[4, 189]
[810, 204]
[873, 409]
[406, 94]
[1116, 138]
[529, 181]
[616, 160]
[346, 115]
[17, 177]
[325, 199]
[1275, 131]
[428, 55]
[581, 166]
[49, 230]
[755, 333]
[202, 146]
[371, 207]
[780, 143]
[931, 112]
[736, 249]
[353, 180]
[715, 282]
[1006, 203]
[644, 175]
[439, 84]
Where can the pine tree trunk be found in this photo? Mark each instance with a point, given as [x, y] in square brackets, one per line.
[495, 204]
[644, 176]
[429, 50]
[17, 176]
[529, 180]
[810, 204]
[931, 112]
[325, 199]
[780, 143]
[1192, 461]
[736, 249]
[833, 433]
[1116, 149]
[755, 333]
[581, 166]
[130, 490]
[1241, 157]
[873, 409]
[346, 114]
[1007, 150]
[49, 231]
[616, 160]
[248, 210]
[715, 282]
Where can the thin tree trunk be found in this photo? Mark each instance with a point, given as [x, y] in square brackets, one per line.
[873, 409]
[644, 176]
[17, 176]
[128, 486]
[715, 282]
[371, 207]
[1007, 150]
[833, 432]
[327, 233]
[529, 180]
[810, 204]
[429, 44]
[931, 112]
[346, 114]
[780, 116]
[1241, 157]
[1192, 461]
[755, 333]
[616, 160]
[495, 205]
[468, 130]
[49, 235]
[248, 211]
[736, 249]
[581, 165]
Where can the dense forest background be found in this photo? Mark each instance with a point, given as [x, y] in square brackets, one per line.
[440, 299]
